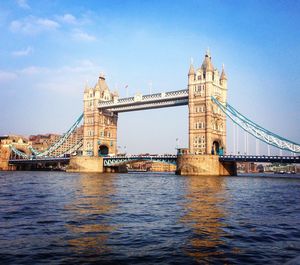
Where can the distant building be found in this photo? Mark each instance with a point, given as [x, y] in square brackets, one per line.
[162, 167]
[248, 167]
[152, 166]
[41, 142]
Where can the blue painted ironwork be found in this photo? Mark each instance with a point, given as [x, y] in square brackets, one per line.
[18, 152]
[256, 130]
[55, 146]
[61, 141]
[73, 148]
[110, 161]
[261, 159]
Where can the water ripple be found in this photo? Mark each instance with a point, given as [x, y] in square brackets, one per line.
[60, 218]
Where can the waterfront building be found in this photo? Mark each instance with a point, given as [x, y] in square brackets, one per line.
[152, 166]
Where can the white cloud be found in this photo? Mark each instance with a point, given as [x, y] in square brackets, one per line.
[68, 18]
[24, 52]
[23, 4]
[33, 25]
[71, 19]
[82, 66]
[63, 79]
[7, 76]
[82, 36]
[32, 70]
[47, 23]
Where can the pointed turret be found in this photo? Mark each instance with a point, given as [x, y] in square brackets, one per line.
[223, 78]
[191, 74]
[207, 65]
[101, 85]
[192, 70]
[86, 87]
[223, 75]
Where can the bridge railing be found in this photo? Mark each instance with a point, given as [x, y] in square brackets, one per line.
[260, 158]
[121, 160]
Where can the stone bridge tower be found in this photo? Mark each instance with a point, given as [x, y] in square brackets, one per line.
[207, 123]
[100, 127]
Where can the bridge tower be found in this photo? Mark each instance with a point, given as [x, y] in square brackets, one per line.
[207, 124]
[100, 127]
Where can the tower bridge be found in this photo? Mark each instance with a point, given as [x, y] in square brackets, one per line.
[206, 98]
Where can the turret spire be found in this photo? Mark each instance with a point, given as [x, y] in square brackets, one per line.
[207, 64]
[223, 75]
[192, 70]
[208, 52]
[102, 76]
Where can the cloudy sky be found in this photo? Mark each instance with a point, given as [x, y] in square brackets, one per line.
[49, 50]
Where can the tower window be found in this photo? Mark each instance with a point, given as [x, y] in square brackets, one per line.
[199, 125]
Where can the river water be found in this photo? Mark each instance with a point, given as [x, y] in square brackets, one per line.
[149, 218]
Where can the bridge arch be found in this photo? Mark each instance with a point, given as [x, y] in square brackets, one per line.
[217, 147]
[103, 150]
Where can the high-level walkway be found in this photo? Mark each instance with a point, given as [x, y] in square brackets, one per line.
[142, 102]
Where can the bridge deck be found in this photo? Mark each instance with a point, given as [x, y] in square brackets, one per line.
[117, 160]
[121, 160]
[39, 161]
[262, 159]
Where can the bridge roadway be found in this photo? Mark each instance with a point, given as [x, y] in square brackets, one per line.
[171, 159]
[41, 160]
[261, 159]
[121, 160]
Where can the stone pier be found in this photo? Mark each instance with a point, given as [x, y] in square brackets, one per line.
[86, 164]
[93, 165]
[204, 165]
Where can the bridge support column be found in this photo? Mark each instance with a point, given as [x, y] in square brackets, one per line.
[86, 164]
[204, 165]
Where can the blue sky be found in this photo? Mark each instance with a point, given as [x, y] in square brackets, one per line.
[49, 50]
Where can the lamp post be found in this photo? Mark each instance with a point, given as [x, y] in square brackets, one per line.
[177, 146]
[120, 152]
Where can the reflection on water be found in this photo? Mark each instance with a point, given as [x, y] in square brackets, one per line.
[205, 215]
[62, 218]
[90, 225]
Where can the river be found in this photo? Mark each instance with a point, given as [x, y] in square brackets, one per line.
[148, 218]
